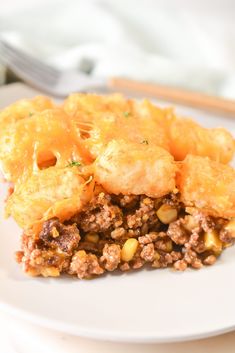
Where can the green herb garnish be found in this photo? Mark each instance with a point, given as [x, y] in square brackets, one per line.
[74, 164]
[126, 114]
[30, 113]
[145, 142]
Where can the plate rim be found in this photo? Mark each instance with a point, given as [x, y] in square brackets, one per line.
[108, 335]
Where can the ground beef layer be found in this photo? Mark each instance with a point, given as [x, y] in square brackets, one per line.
[125, 233]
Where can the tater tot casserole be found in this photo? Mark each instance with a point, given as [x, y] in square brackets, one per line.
[104, 183]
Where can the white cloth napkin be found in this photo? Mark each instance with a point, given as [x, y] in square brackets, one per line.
[178, 42]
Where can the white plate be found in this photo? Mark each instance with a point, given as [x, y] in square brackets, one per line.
[145, 306]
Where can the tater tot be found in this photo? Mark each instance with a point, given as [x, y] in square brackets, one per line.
[34, 143]
[129, 129]
[87, 106]
[208, 186]
[132, 168]
[49, 193]
[104, 118]
[187, 137]
[23, 108]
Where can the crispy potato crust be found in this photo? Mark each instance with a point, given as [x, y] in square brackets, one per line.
[126, 147]
[208, 186]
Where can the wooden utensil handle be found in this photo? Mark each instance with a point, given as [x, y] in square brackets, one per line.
[181, 96]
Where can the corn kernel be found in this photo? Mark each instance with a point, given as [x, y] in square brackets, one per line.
[129, 249]
[92, 237]
[156, 256]
[55, 233]
[212, 242]
[167, 214]
[169, 246]
[80, 253]
[50, 272]
[147, 201]
[190, 223]
[230, 227]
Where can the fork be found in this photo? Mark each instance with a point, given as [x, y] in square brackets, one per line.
[59, 83]
[45, 77]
